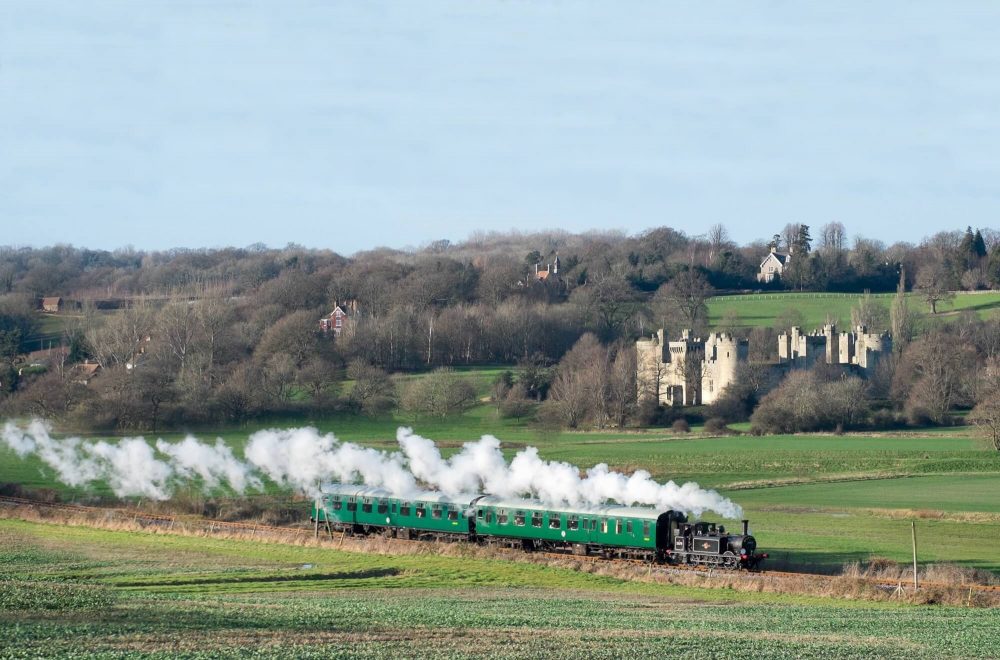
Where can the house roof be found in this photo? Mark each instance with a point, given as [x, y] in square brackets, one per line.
[780, 257]
[52, 300]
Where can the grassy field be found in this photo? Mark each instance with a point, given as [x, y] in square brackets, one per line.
[96, 593]
[815, 501]
[756, 310]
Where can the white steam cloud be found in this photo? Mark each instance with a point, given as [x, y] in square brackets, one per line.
[304, 459]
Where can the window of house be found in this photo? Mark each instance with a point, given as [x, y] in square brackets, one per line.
[519, 518]
[536, 519]
[554, 522]
[573, 523]
[453, 515]
[628, 527]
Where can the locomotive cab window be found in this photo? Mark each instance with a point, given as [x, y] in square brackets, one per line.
[536, 519]
[554, 522]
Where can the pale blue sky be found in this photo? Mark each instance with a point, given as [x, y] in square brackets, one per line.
[358, 123]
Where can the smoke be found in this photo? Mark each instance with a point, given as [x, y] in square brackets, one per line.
[304, 459]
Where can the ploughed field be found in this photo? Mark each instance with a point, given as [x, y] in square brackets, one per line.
[100, 593]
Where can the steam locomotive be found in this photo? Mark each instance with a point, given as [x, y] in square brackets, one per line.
[611, 532]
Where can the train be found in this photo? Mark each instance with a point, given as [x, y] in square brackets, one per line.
[612, 532]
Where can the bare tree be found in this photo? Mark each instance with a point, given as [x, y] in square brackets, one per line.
[902, 317]
[122, 337]
[986, 415]
[932, 284]
[833, 238]
[869, 313]
[683, 300]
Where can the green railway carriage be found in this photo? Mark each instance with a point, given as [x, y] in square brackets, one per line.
[361, 509]
[612, 531]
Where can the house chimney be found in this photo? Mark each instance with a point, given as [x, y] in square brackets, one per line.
[774, 248]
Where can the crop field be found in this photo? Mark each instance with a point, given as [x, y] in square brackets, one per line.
[100, 593]
[755, 310]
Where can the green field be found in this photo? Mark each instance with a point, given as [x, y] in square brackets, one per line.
[817, 501]
[757, 310]
[95, 593]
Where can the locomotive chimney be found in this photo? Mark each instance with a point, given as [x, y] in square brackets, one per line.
[746, 527]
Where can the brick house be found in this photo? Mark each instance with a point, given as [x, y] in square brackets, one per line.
[341, 319]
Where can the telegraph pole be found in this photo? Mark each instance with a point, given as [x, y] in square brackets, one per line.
[913, 535]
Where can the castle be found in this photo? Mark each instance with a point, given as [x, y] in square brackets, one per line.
[859, 348]
[690, 371]
[693, 371]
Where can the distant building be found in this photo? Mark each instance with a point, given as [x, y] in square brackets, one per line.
[689, 371]
[860, 348]
[774, 265]
[52, 304]
[341, 319]
[550, 272]
[84, 372]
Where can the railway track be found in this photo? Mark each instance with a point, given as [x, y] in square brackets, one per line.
[169, 522]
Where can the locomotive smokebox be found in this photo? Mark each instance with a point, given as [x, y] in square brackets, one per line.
[746, 527]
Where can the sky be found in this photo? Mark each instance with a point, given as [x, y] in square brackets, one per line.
[348, 124]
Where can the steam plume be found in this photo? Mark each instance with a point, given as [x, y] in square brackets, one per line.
[304, 459]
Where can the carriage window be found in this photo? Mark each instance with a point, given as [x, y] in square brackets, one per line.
[593, 524]
[536, 519]
[604, 525]
[502, 518]
[352, 505]
[435, 513]
[367, 506]
[554, 522]
[453, 515]
[336, 505]
[394, 507]
[404, 509]
[573, 523]
[383, 507]
[645, 528]
[421, 511]
[628, 527]
[618, 526]
[489, 517]
[479, 514]
[519, 518]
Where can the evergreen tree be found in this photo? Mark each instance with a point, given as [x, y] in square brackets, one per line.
[901, 317]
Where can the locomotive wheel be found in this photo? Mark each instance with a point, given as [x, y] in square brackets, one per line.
[729, 560]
